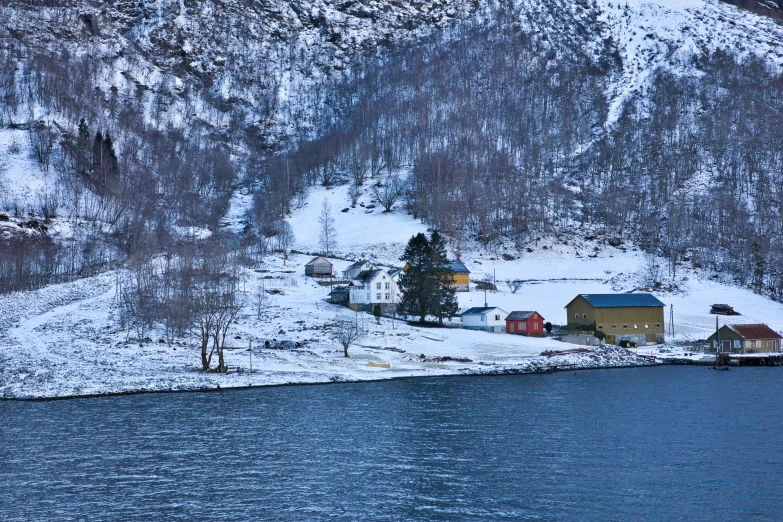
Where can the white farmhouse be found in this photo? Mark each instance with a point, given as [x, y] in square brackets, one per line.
[371, 287]
[487, 318]
[356, 268]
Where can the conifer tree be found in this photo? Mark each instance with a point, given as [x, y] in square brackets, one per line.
[83, 148]
[443, 302]
[416, 283]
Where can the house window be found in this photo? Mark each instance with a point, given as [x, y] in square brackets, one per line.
[636, 326]
[523, 326]
[386, 296]
[600, 327]
[378, 297]
[625, 326]
[497, 317]
[736, 344]
[387, 286]
[377, 286]
[753, 344]
[657, 325]
[584, 316]
[368, 296]
[614, 327]
[647, 326]
[576, 316]
[482, 318]
[535, 326]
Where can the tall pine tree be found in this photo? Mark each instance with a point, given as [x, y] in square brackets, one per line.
[416, 282]
[443, 301]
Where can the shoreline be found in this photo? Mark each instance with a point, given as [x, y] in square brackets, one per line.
[218, 388]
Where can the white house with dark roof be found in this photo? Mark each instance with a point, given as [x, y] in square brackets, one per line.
[356, 268]
[487, 318]
[371, 287]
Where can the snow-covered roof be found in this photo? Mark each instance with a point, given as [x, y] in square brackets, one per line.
[619, 300]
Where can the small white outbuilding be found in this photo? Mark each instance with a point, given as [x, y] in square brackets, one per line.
[487, 318]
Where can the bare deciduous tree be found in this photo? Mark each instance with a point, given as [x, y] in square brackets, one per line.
[390, 192]
[346, 332]
[515, 285]
[327, 237]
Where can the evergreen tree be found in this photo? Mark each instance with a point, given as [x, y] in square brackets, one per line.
[97, 154]
[111, 168]
[443, 300]
[758, 267]
[415, 283]
[83, 148]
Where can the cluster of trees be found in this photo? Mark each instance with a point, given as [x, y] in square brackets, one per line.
[190, 291]
[426, 284]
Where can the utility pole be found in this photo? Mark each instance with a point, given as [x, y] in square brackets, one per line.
[671, 320]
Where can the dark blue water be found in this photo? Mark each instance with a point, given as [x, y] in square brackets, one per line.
[666, 443]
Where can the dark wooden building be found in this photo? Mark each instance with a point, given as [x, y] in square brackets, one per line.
[618, 316]
[319, 267]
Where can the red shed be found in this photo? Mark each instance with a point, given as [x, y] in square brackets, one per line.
[525, 323]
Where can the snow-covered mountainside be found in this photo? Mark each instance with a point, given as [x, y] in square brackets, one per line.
[143, 143]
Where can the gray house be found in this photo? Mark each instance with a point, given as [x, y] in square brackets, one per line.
[319, 267]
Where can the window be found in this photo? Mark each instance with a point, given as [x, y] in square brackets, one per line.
[523, 326]
[387, 286]
[377, 286]
[584, 316]
[647, 326]
[497, 317]
[600, 327]
[614, 327]
[736, 344]
[482, 318]
[625, 326]
[657, 325]
[378, 297]
[636, 326]
[368, 296]
[535, 326]
[386, 296]
[576, 316]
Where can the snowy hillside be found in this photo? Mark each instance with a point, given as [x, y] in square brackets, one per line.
[64, 340]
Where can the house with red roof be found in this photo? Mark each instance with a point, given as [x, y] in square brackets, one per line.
[745, 338]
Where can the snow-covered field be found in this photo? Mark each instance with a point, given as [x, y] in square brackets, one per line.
[64, 340]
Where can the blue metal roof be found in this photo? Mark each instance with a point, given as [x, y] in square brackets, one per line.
[458, 267]
[477, 310]
[620, 300]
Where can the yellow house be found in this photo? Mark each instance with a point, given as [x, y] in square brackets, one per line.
[461, 276]
[637, 317]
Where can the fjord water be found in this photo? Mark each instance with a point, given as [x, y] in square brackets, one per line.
[664, 443]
